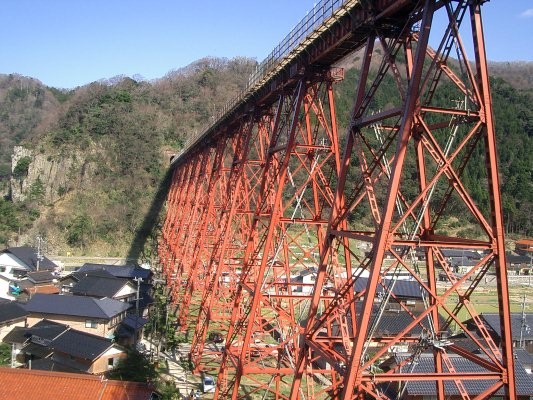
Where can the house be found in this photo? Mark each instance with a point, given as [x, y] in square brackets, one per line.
[33, 343]
[51, 346]
[521, 327]
[456, 253]
[130, 330]
[9, 289]
[304, 282]
[426, 389]
[404, 292]
[525, 358]
[524, 247]
[85, 352]
[463, 265]
[16, 262]
[98, 286]
[48, 385]
[97, 316]
[136, 275]
[69, 281]
[12, 314]
[38, 282]
[119, 271]
[518, 265]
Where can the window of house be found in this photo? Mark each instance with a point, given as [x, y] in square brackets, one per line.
[90, 323]
[111, 362]
[3, 269]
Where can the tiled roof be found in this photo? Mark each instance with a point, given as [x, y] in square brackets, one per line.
[525, 358]
[46, 385]
[98, 286]
[40, 276]
[76, 306]
[400, 288]
[82, 345]
[425, 364]
[28, 255]
[47, 330]
[119, 271]
[49, 364]
[37, 351]
[46, 289]
[78, 275]
[11, 311]
[390, 322]
[517, 259]
[519, 325]
[133, 322]
[460, 253]
[16, 335]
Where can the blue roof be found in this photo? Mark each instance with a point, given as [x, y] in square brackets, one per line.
[81, 306]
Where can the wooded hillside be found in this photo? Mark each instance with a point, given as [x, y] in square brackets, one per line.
[123, 133]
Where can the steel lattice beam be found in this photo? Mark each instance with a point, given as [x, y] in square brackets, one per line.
[268, 195]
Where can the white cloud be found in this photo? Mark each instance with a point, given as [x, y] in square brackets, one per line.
[527, 14]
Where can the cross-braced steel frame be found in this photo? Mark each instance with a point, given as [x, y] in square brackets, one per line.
[293, 252]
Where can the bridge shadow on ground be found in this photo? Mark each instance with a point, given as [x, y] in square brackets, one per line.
[148, 231]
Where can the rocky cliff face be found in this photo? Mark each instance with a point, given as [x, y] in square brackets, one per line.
[48, 178]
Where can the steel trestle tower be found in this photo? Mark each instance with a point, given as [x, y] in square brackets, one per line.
[294, 250]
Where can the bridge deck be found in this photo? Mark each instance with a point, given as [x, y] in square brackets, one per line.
[330, 31]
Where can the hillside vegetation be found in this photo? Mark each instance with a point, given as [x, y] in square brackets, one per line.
[123, 132]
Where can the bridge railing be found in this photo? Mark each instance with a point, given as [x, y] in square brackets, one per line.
[322, 11]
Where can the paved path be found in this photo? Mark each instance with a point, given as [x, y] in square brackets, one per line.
[169, 362]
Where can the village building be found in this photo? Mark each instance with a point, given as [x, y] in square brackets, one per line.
[92, 315]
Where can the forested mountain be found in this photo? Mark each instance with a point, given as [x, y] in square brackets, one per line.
[118, 136]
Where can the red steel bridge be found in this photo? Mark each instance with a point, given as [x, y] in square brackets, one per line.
[289, 233]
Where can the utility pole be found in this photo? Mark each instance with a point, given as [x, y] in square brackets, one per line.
[13, 355]
[138, 281]
[39, 255]
[524, 326]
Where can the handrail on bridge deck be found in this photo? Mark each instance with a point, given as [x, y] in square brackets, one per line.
[319, 19]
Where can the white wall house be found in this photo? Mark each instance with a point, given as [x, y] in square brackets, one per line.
[12, 267]
[15, 263]
[4, 288]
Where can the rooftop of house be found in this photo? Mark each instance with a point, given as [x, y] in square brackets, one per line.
[98, 286]
[38, 277]
[11, 311]
[521, 324]
[517, 259]
[81, 306]
[399, 287]
[28, 255]
[425, 364]
[461, 253]
[81, 345]
[38, 385]
[118, 271]
[44, 329]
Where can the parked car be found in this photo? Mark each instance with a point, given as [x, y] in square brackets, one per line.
[208, 384]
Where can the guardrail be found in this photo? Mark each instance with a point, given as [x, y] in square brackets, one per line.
[282, 53]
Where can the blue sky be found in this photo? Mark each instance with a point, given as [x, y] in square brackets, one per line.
[68, 43]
